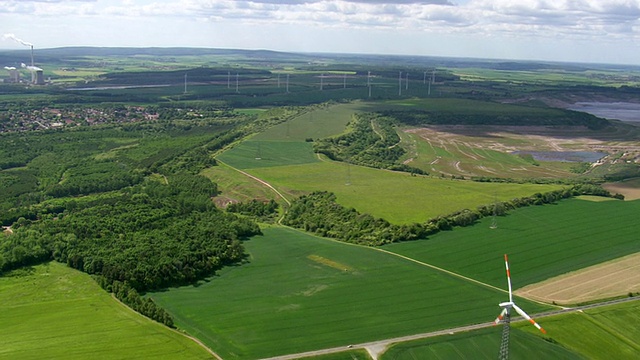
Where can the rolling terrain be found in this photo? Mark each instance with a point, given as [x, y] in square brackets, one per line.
[102, 170]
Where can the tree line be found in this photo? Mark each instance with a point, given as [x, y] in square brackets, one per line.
[319, 213]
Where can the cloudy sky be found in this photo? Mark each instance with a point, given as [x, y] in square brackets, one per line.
[565, 30]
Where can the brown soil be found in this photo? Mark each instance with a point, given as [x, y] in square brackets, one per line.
[609, 279]
[630, 188]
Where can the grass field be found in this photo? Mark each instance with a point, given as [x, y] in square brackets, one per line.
[234, 186]
[478, 344]
[54, 312]
[396, 197]
[542, 242]
[253, 153]
[299, 293]
[319, 122]
[603, 333]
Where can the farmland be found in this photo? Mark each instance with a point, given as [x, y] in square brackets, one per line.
[114, 189]
[577, 234]
[334, 294]
[55, 312]
[399, 197]
[609, 279]
[602, 333]
[478, 344]
[592, 334]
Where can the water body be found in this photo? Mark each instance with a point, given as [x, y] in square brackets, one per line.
[617, 110]
[564, 156]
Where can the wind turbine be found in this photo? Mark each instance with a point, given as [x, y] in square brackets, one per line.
[505, 316]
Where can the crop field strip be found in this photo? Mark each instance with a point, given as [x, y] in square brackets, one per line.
[477, 344]
[577, 234]
[283, 302]
[51, 311]
[609, 279]
[603, 333]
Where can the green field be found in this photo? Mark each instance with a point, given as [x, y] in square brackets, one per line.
[251, 154]
[318, 122]
[281, 157]
[54, 312]
[604, 333]
[298, 293]
[542, 241]
[478, 344]
[396, 197]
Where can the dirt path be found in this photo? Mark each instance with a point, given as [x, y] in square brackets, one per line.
[258, 180]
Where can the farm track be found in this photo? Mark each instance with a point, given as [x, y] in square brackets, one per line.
[258, 180]
[376, 348]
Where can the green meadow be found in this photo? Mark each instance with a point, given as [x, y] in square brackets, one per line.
[479, 344]
[53, 312]
[396, 197]
[281, 157]
[541, 241]
[297, 293]
[318, 122]
[603, 333]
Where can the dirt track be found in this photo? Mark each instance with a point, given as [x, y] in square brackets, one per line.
[610, 279]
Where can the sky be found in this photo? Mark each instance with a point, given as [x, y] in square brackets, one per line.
[592, 31]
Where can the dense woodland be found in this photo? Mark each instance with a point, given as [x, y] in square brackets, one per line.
[371, 141]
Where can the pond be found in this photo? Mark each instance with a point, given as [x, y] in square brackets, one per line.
[624, 111]
[564, 156]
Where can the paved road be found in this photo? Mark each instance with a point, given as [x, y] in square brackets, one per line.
[376, 348]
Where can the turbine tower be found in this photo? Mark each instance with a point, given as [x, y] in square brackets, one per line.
[505, 317]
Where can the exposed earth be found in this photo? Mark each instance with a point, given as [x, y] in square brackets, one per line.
[613, 278]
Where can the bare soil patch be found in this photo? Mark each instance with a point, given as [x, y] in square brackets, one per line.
[613, 278]
[630, 188]
[513, 138]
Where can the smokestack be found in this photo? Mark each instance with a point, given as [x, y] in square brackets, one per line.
[32, 64]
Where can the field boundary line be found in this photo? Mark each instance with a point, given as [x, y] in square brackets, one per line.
[258, 180]
[200, 343]
[443, 270]
[466, 278]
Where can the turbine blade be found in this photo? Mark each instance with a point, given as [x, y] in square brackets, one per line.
[506, 264]
[500, 317]
[524, 315]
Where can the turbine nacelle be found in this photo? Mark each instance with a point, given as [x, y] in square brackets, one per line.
[508, 305]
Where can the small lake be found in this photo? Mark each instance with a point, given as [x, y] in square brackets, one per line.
[616, 110]
[564, 156]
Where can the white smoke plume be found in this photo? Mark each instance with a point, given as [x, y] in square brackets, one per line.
[14, 38]
[30, 67]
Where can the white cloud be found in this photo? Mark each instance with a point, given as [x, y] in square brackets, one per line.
[477, 21]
